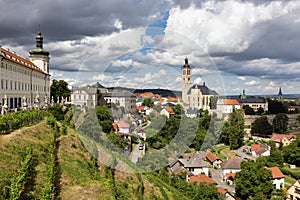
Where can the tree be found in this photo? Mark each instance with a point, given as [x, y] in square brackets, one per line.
[298, 119]
[59, 89]
[260, 111]
[261, 127]
[206, 191]
[103, 113]
[253, 181]
[233, 131]
[248, 110]
[177, 109]
[280, 123]
[291, 153]
[148, 102]
[213, 102]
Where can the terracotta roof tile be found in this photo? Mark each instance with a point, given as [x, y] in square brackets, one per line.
[231, 102]
[170, 110]
[222, 191]
[20, 60]
[279, 137]
[276, 173]
[202, 178]
[122, 124]
[211, 157]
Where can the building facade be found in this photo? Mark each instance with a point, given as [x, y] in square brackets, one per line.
[85, 97]
[123, 99]
[24, 83]
[194, 96]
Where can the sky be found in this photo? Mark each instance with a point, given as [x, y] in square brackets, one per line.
[231, 44]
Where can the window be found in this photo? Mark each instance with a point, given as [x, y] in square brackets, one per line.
[188, 72]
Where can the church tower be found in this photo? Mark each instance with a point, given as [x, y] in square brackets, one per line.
[186, 80]
[38, 55]
[280, 96]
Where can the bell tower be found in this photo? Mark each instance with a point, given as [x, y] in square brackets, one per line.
[38, 55]
[186, 80]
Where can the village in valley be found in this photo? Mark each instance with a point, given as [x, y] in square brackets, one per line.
[269, 130]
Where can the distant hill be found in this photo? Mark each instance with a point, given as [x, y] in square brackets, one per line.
[162, 92]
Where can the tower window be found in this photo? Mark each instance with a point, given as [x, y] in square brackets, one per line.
[183, 72]
[189, 79]
[188, 72]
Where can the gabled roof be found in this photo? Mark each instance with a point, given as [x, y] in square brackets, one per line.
[232, 163]
[276, 173]
[202, 178]
[170, 110]
[122, 124]
[140, 108]
[222, 191]
[258, 147]
[204, 90]
[280, 137]
[19, 60]
[231, 102]
[193, 162]
[118, 94]
[87, 90]
[211, 157]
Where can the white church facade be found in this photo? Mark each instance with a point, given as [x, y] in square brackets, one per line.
[194, 96]
[24, 83]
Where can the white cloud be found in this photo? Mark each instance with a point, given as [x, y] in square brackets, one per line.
[241, 78]
[252, 83]
[118, 24]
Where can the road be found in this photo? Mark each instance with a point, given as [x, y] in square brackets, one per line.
[136, 154]
[242, 154]
[215, 174]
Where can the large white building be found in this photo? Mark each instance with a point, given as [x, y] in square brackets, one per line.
[24, 83]
[194, 96]
[123, 99]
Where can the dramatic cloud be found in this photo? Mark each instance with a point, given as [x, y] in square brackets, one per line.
[230, 44]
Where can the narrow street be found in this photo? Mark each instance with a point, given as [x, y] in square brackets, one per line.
[215, 174]
[136, 154]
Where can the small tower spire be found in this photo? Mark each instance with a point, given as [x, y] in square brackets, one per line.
[280, 95]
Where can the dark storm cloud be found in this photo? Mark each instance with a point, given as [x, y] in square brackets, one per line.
[69, 19]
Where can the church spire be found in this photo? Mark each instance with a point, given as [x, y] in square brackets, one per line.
[280, 92]
[39, 45]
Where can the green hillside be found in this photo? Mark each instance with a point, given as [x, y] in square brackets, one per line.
[77, 175]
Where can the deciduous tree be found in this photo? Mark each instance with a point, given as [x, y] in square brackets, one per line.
[280, 123]
[261, 127]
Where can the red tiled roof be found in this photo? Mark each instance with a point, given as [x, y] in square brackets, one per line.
[231, 102]
[20, 60]
[202, 178]
[228, 175]
[276, 173]
[255, 147]
[115, 126]
[170, 111]
[122, 124]
[279, 137]
[147, 94]
[211, 157]
[140, 108]
[222, 191]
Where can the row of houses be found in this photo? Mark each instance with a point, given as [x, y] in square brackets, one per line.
[197, 167]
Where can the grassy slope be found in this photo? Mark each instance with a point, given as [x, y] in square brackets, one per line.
[75, 178]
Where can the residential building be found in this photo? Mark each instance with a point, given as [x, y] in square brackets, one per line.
[194, 96]
[123, 99]
[260, 150]
[277, 177]
[228, 195]
[122, 128]
[24, 83]
[226, 106]
[213, 160]
[201, 178]
[85, 97]
[284, 139]
[229, 168]
[293, 192]
[195, 164]
[167, 112]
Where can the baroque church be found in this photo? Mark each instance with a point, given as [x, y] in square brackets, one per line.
[194, 96]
